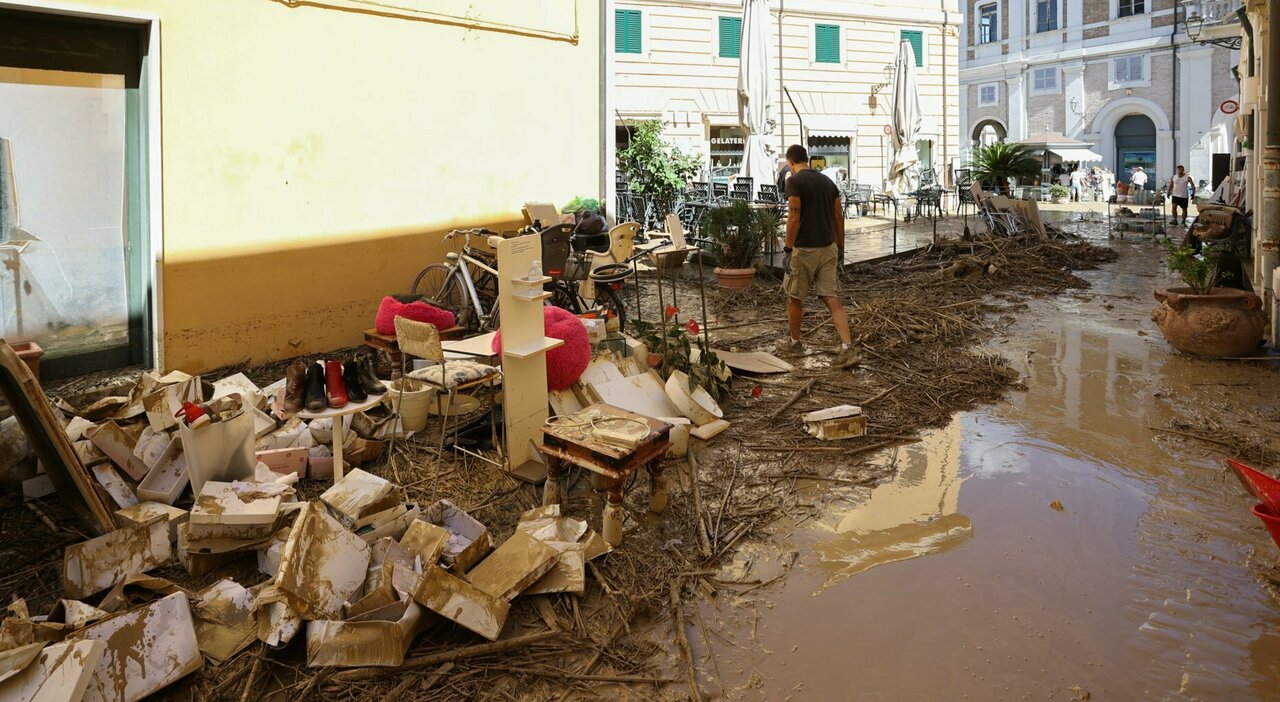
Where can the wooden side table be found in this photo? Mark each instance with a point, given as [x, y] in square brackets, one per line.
[570, 439]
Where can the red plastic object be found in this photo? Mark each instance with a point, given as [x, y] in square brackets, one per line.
[1259, 484]
[1270, 520]
[192, 414]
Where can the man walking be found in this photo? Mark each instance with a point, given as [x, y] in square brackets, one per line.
[1077, 183]
[1180, 193]
[811, 258]
[1139, 178]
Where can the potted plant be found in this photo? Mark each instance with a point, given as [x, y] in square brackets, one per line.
[1058, 193]
[655, 169]
[996, 163]
[1201, 319]
[738, 230]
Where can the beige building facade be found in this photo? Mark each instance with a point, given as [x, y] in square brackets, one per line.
[679, 65]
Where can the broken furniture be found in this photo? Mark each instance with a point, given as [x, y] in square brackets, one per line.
[338, 431]
[388, 343]
[613, 443]
[50, 442]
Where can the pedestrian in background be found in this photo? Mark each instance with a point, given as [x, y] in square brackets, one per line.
[1180, 189]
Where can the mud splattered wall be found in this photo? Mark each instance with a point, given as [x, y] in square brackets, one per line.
[313, 157]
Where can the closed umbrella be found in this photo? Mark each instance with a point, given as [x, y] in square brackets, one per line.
[755, 93]
[905, 123]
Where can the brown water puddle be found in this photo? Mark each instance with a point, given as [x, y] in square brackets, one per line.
[957, 580]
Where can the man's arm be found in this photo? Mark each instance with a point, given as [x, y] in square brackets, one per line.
[793, 220]
[838, 221]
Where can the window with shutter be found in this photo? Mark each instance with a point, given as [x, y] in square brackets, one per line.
[987, 95]
[916, 39]
[1129, 69]
[730, 37]
[826, 43]
[1045, 79]
[626, 31]
[988, 24]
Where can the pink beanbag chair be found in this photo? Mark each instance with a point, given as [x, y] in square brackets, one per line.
[565, 363]
[418, 311]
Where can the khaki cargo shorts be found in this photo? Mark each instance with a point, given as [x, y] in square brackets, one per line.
[813, 270]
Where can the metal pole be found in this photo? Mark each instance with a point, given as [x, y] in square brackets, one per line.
[782, 114]
[1269, 246]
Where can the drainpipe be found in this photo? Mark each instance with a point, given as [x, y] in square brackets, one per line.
[946, 170]
[782, 113]
[1269, 248]
[1173, 42]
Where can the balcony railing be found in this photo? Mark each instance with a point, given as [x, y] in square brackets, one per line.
[1213, 12]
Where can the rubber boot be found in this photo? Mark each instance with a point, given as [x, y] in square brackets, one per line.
[333, 384]
[369, 379]
[316, 400]
[351, 379]
[295, 387]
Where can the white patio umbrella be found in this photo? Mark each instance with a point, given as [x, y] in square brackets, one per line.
[905, 123]
[755, 91]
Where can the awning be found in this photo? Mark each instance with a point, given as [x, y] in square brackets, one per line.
[845, 126]
[1076, 154]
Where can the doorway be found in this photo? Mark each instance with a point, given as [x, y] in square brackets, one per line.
[73, 232]
[1136, 147]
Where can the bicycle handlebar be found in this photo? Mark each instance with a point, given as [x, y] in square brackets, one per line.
[468, 233]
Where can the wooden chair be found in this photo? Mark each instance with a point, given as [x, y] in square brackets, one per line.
[422, 340]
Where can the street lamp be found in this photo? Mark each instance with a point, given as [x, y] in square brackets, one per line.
[1194, 25]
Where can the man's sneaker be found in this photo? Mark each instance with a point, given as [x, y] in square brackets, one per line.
[789, 347]
[847, 358]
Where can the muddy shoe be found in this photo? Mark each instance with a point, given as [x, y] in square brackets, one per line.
[316, 399]
[351, 379]
[847, 358]
[368, 378]
[788, 347]
[333, 384]
[295, 387]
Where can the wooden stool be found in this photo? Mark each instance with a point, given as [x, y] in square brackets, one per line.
[571, 439]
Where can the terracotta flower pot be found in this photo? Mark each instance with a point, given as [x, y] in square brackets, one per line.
[735, 278]
[1224, 322]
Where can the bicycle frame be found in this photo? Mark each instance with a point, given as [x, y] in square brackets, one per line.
[462, 270]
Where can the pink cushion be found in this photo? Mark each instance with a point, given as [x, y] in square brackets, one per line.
[418, 311]
[567, 362]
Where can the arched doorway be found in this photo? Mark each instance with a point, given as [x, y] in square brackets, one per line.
[1136, 146]
[988, 132]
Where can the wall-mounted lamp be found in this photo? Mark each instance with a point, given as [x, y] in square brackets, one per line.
[1194, 25]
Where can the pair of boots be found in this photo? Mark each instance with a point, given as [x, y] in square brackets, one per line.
[308, 385]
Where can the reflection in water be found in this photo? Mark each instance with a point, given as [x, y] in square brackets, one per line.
[914, 515]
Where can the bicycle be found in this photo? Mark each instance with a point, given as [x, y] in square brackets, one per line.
[473, 297]
[578, 286]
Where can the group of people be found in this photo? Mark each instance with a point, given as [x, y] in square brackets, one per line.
[1081, 180]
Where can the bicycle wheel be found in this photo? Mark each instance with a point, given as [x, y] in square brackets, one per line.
[564, 297]
[610, 304]
[439, 285]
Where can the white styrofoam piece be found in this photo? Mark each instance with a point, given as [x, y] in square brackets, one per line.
[97, 564]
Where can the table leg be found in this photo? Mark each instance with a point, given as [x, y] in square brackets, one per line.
[657, 487]
[551, 488]
[337, 449]
[612, 518]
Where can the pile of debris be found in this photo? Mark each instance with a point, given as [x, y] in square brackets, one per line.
[362, 571]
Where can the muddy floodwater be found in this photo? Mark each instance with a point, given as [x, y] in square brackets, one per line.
[1052, 546]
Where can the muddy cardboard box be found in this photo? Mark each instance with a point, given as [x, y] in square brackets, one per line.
[425, 540]
[239, 510]
[377, 638]
[225, 620]
[117, 442]
[58, 673]
[454, 599]
[834, 423]
[322, 566]
[145, 511]
[167, 479]
[360, 494]
[515, 565]
[469, 540]
[97, 564]
[569, 573]
[394, 527]
[147, 649]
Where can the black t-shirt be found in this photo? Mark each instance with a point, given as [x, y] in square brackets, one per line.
[817, 195]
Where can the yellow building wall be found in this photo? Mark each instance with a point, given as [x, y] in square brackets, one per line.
[313, 157]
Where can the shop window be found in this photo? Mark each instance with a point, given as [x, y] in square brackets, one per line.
[626, 31]
[1046, 15]
[826, 43]
[1128, 8]
[730, 37]
[726, 146]
[989, 24]
[915, 38]
[829, 152]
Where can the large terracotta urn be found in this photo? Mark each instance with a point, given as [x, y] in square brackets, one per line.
[735, 278]
[1222, 322]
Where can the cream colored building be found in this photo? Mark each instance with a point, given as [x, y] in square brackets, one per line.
[676, 61]
[265, 171]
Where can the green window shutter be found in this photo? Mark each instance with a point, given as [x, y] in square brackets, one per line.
[826, 43]
[916, 38]
[730, 37]
[626, 31]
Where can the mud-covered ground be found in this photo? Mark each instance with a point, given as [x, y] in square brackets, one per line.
[924, 561]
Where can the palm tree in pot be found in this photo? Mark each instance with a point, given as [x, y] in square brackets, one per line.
[739, 231]
[996, 163]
